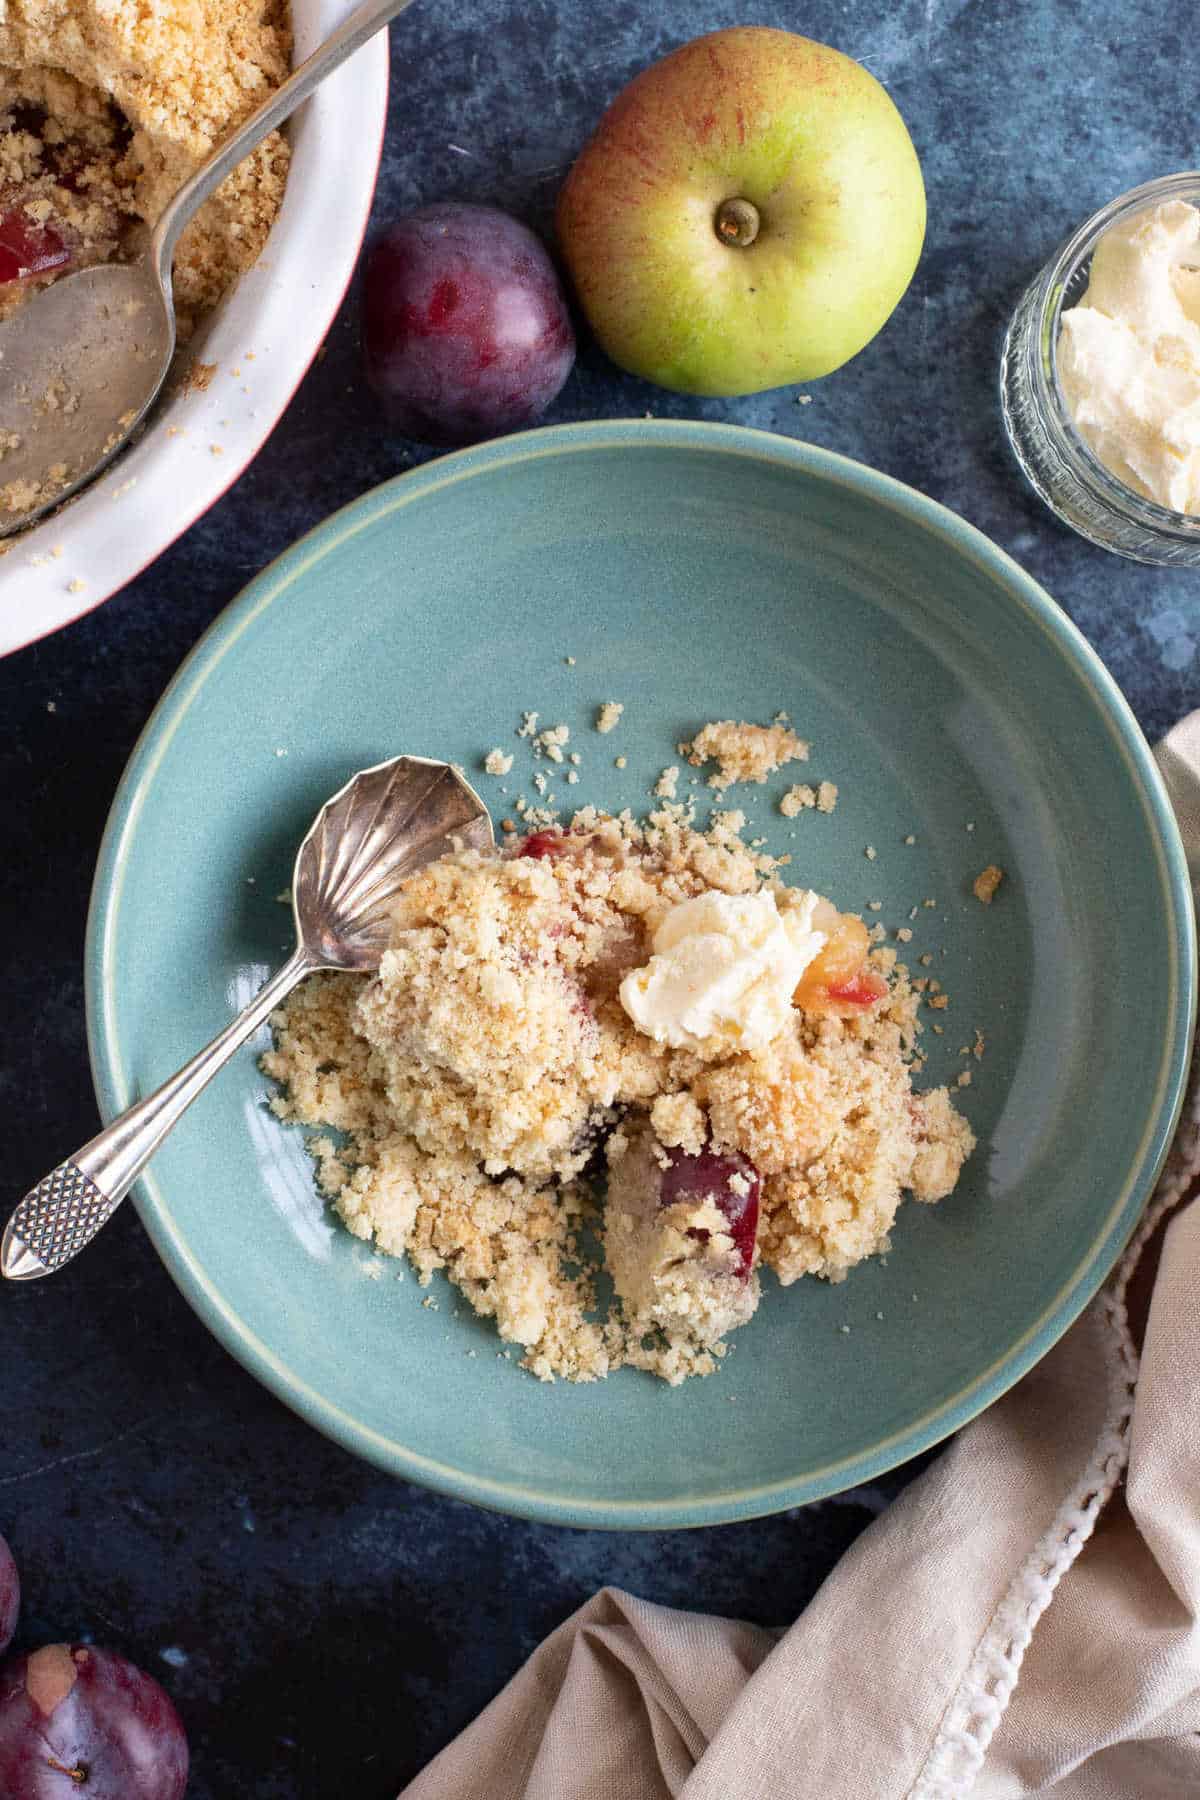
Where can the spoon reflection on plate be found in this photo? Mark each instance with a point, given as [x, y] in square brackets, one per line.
[387, 822]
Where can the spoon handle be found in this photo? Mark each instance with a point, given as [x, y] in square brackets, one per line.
[66, 1209]
[366, 19]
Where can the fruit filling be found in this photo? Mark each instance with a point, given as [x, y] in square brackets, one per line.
[838, 983]
[729, 1183]
[631, 1034]
[680, 1233]
[28, 249]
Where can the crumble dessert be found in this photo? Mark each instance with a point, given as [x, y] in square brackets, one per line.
[641, 1007]
[106, 109]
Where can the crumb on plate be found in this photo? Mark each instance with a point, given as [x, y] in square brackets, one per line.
[986, 883]
[742, 752]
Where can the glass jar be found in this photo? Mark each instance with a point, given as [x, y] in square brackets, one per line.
[1058, 464]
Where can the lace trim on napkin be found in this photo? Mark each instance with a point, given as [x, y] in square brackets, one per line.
[950, 1770]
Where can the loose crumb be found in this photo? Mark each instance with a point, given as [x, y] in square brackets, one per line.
[797, 800]
[665, 786]
[551, 741]
[497, 762]
[743, 752]
[827, 796]
[609, 715]
[986, 883]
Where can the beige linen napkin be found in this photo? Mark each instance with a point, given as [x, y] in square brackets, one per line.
[968, 1643]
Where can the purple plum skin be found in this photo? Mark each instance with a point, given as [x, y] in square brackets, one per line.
[10, 1596]
[706, 1177]
[466, 332]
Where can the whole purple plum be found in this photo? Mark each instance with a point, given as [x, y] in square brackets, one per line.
[77, 1721]
[466, 331]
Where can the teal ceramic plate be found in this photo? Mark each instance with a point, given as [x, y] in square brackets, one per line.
[692, 572]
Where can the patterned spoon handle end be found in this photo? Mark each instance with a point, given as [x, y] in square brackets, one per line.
[54, 1221]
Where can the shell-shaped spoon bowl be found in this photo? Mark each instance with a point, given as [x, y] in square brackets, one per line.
[387, 822]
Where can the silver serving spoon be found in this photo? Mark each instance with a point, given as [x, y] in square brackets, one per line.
[82, 364]
[386, 823]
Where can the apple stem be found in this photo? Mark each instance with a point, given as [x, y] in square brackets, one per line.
[736, 223]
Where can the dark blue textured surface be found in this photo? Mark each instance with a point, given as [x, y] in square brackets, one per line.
[325, 1629]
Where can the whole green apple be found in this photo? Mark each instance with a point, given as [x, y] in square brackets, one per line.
[747, 214]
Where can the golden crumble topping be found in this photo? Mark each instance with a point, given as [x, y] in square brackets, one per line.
[106, 108]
